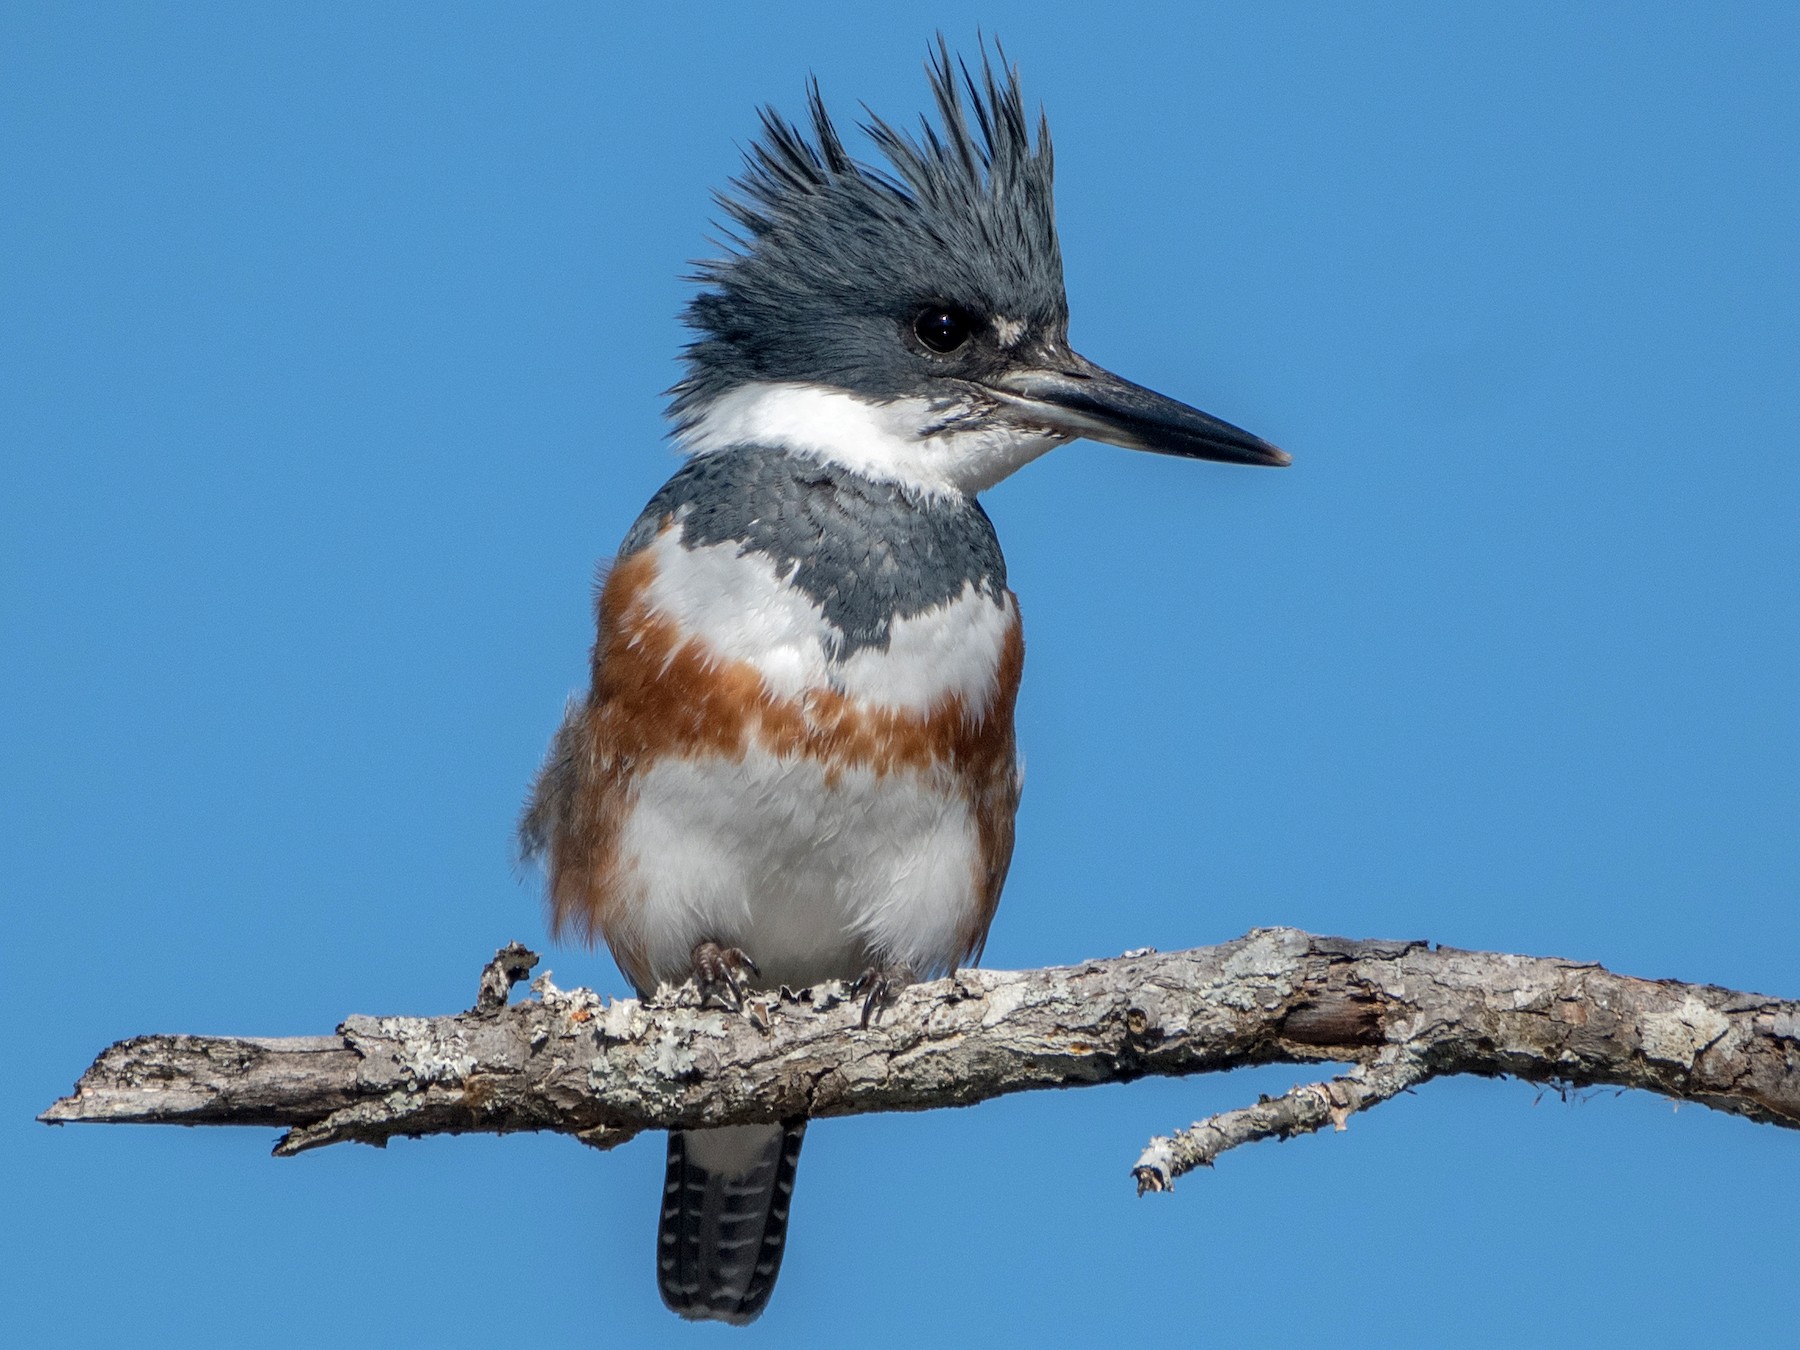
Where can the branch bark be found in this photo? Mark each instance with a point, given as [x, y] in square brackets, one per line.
[1400, 1013]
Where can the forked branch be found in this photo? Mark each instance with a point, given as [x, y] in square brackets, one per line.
[1399, 1013]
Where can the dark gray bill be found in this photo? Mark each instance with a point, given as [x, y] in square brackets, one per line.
[1081, 399]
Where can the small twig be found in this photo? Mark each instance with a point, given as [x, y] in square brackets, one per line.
[1301, 1110]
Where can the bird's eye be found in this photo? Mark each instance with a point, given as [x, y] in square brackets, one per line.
[942, 328]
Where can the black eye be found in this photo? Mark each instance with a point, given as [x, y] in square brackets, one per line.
[943, 328]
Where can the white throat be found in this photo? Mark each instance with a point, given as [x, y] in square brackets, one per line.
[912, 441]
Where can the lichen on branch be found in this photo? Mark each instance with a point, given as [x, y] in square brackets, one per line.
[1400, 1014]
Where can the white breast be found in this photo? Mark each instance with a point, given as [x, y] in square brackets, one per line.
[744, 609]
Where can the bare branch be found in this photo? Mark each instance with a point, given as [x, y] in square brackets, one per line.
[1399, 1013]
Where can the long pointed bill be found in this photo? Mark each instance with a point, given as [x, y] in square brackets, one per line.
[1078, 398]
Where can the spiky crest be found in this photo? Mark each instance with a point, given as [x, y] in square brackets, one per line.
[830, 253]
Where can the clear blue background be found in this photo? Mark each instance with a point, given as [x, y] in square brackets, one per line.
[333, 338]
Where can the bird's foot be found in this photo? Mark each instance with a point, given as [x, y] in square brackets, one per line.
[880, 984]
[719, 973]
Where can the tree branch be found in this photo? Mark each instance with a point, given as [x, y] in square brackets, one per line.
[1400, 1013]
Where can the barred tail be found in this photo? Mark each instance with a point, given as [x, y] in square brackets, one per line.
[724, 1218]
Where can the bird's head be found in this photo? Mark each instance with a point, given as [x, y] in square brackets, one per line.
[910, 320]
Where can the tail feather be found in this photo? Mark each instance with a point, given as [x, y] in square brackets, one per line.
[724, 1218]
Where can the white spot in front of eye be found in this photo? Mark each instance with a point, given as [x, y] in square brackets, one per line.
[1009, 331]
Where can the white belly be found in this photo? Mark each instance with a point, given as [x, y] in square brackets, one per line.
[814, 880]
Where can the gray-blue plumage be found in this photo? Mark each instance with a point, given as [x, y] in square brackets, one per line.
[834, 258]
[866, 552]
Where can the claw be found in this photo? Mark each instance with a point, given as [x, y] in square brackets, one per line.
[719, 971]
[882, 984]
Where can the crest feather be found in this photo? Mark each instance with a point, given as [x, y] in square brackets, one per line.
[962, 212]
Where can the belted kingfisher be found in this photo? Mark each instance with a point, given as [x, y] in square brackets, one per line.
[796, 761]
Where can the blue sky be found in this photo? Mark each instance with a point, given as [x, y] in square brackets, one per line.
[332, 343]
